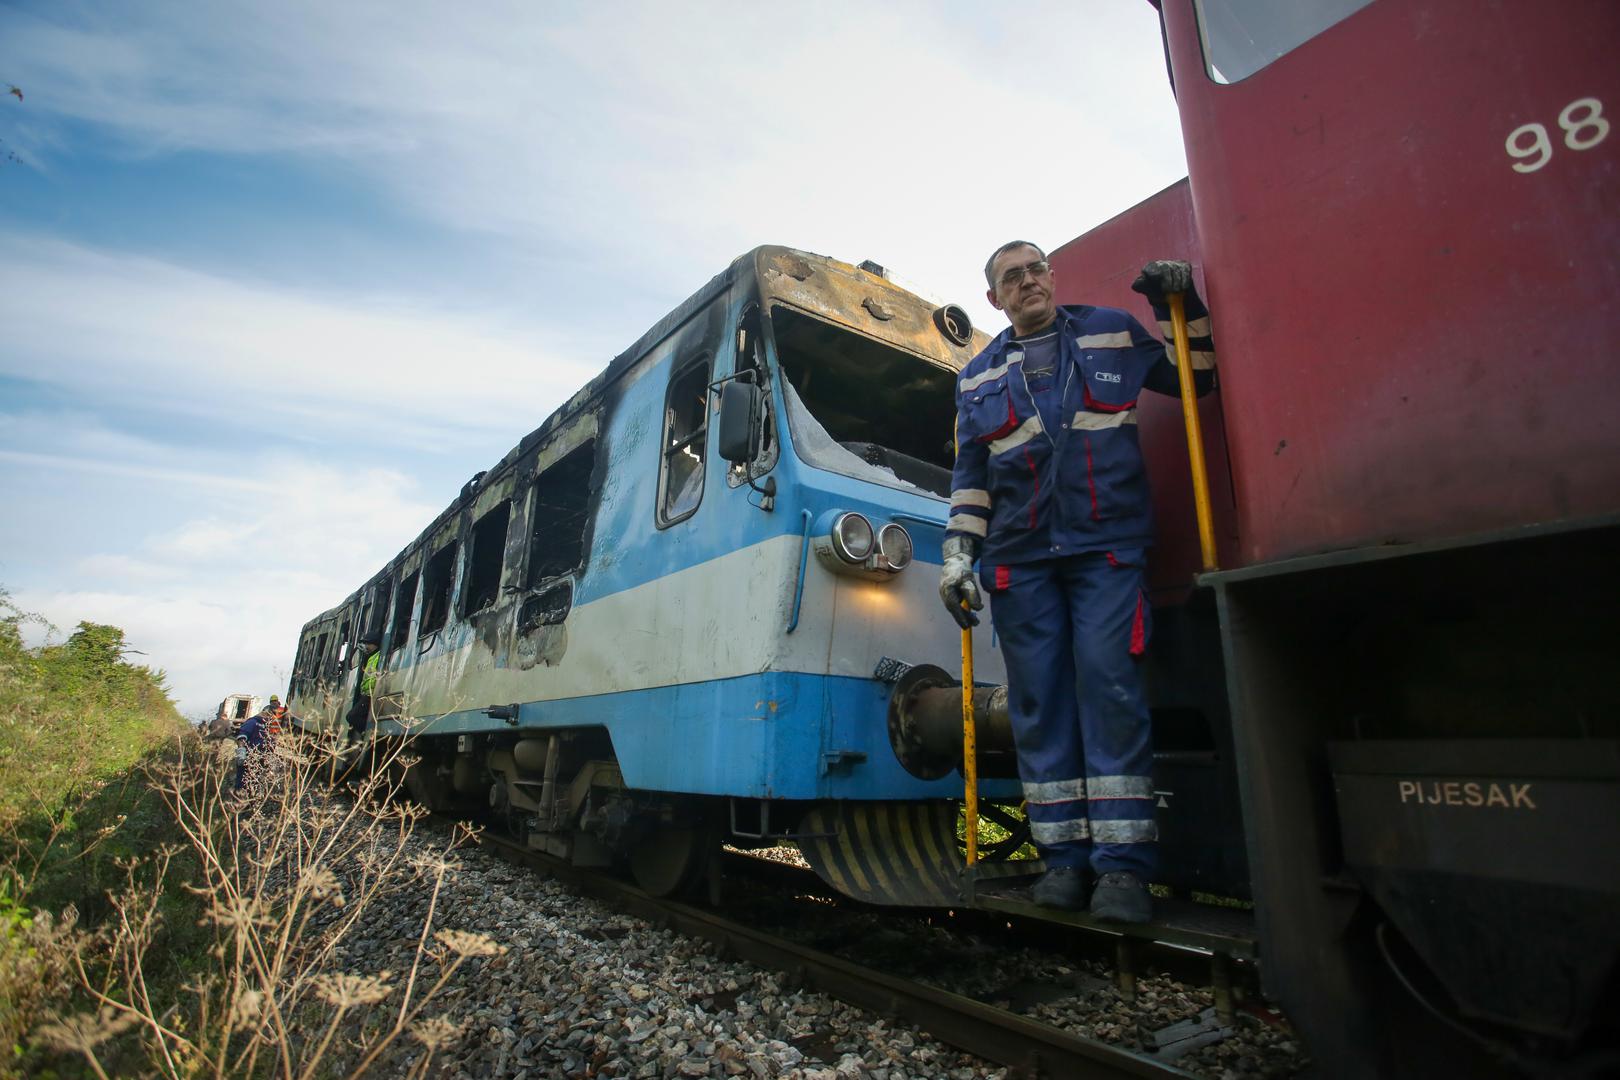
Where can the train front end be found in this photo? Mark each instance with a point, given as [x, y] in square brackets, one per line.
[846, 417]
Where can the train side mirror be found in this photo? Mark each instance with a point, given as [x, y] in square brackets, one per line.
[742, 405]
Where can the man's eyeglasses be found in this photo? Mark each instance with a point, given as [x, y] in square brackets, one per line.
[1016, 274]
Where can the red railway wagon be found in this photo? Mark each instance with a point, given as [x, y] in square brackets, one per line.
[1405, 217]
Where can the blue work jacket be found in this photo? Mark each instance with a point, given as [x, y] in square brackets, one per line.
[1029, 493]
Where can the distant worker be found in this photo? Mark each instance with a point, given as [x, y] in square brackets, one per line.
[253, 739]
[1050, 494]
[359, 715]
[276, 711]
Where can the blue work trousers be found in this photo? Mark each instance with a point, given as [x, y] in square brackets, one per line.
[1073, 631]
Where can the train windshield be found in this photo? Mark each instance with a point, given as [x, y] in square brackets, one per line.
[860, 407]
[1243, 36]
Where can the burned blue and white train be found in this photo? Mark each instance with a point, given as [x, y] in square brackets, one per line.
[678, 610]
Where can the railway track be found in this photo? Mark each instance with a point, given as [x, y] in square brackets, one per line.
[1223, 962]
[1032, 1049]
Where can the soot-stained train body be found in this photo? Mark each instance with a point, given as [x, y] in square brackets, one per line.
[629, 645]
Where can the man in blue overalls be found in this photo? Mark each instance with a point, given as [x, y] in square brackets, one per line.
[1050, 494]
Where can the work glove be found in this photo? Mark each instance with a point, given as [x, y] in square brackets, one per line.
[1161, 277]
[956, 581]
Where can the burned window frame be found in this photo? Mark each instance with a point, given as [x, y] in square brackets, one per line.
[703, 366]
[560, 476]
[344, 645]
[382, 595]
[789, 323]
[475, 558]
[321, 662]
[399, 629]
[757, 360]
[445, 557]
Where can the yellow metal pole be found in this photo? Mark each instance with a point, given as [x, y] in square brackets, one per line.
[970, 741]
[1195, 435]
[970, 749]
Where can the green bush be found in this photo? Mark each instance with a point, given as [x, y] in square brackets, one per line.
[78, 727]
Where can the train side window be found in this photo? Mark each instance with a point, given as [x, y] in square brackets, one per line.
[404, 601]
[1242, 36]
[686, 428]
[437, 579]
[319, 658]
[379, 609]
[485, 552]
[342, 647]
[562, 497]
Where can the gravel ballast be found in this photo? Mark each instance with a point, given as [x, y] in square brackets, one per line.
[584, 991]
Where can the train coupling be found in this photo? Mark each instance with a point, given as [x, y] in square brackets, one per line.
[925, 724]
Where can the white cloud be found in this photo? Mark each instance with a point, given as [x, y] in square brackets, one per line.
[218, 599]
[246, 353]
[648, 144]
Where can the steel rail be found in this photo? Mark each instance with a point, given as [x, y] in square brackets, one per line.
[1187, 964]
[1033, 1049]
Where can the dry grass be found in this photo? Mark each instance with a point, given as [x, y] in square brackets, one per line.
[155, 922]
[279, 877]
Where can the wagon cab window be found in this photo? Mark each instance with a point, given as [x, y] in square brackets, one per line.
[484, 558]
[562, 495]
[1242, 36]
[404, 601]
[863, 408]
[686, 427]
[436, 582]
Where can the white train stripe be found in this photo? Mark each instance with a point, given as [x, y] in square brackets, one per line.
[721, 619]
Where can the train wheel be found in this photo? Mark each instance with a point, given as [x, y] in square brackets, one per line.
[673, 860]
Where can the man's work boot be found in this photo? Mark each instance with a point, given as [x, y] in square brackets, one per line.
[1061, 887]
[1121, 897]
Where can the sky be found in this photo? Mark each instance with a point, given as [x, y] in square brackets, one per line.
[277, 278]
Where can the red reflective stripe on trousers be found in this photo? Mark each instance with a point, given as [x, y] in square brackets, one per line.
[1003, 577]
[1138, 627]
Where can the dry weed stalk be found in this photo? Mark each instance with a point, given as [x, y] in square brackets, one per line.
[290, 870]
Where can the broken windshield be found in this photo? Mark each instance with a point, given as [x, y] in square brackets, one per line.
[865, 409]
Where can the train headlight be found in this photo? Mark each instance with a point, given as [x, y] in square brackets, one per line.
[894, 547]
[846, 542]
[852, 538]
